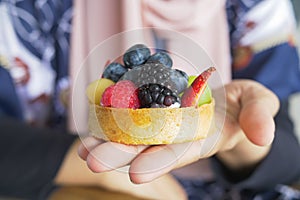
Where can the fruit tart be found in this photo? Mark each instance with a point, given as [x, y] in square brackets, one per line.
[144, 101]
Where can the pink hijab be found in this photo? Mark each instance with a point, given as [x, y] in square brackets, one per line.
[96, 20]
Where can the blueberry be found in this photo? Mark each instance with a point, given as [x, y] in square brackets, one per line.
[183, 74]
[161, 57]
[114, 71]
[180, 79]
[136, 55]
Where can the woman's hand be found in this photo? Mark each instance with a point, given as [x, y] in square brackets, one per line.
[245, 139]
[74, 172]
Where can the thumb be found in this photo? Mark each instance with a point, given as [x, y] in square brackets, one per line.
[258, 107]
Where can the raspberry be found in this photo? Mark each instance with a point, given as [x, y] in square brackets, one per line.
[106, 96]
[121, 95]
[157, 96]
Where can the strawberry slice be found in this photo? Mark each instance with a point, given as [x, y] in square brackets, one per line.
[192, 94]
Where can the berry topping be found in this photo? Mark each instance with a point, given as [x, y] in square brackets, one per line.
[157, 96]
[121, 95]
[114, 71]
[161, 57]
[136, 55]
[152, 73]
[193, 93]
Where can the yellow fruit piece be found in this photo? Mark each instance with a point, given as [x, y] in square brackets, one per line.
[95, 89]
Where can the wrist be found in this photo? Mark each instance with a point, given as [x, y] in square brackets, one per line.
[244, 155]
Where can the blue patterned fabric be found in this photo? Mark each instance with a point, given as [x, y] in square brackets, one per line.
[236, 10]
[212, 190]
[9, 101]
[43, 28]
[277, 66]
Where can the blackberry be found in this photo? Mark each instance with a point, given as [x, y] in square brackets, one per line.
[157, 96]
[136, 55]
[152, 72]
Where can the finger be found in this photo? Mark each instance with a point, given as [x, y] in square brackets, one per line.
[87, 145]
[257, 123]
[259, 106]
[110, 156]
[159, 160]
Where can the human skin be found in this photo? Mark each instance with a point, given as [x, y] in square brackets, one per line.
[245, 140]
[74, 172]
